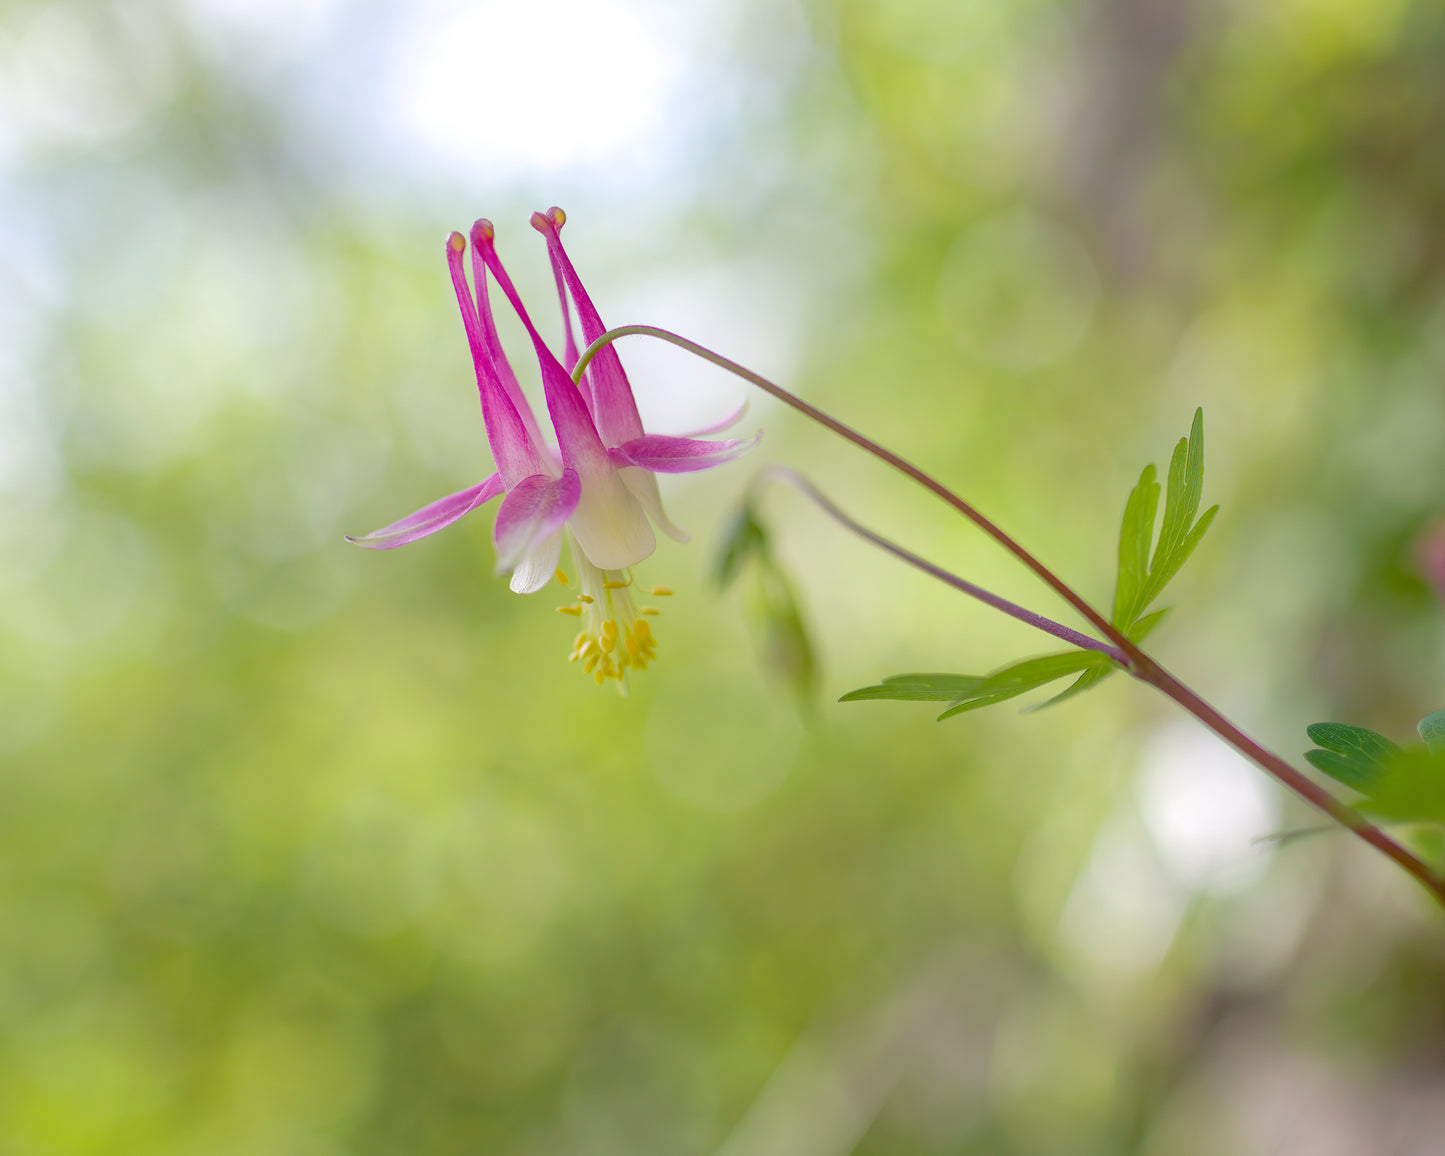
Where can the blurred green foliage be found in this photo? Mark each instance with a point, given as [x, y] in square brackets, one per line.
[309, 850]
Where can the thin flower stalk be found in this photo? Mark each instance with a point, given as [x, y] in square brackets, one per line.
[948, 578]
[1136, 662]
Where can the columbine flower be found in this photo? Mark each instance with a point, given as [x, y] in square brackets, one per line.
[597, 489]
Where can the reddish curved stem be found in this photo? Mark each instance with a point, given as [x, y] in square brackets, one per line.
[1137, 663]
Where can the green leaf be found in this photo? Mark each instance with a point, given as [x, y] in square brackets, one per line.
[1174, 526]
[1193, 476]
[1145, 626]
[787, 649]
[1354, 774]
[1161, 577]
[1432, 730]
[1410, 789]
[920, 688]
[1021, 677]
[1140, 579]
[1032, 672]
[1351, 755]
[744, 539]
[1135, 535]
[983, 701]
[970, 692]
[1195, 470]
[1091, 677]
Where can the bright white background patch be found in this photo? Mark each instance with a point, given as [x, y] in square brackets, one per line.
[1205, 807]
[1194, 829]
[506, 88]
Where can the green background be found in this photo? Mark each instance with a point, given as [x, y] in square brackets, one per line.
[310, 850]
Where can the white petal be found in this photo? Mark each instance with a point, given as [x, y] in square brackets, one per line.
[538, 565]
[609, 524]
[643, 485]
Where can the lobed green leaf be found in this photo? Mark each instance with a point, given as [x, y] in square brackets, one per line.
[1351, 755]
[1194, 469]
[786, 646]
[920, 688]
[970, 692]
[1171, 564]
[1174, 525]
[1141, 580]
[744, 539]
[1021, 677]
[982, 701]
[1032, 672]
[1410, 789]
[1144, 627]
[1135, 535]
[1091, 677]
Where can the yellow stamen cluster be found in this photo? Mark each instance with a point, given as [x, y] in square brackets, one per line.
[615, 637]
[612, 651]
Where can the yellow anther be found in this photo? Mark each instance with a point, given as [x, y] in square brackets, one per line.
[457, 243]
[650, 610]
[610, 648]
[612, 584]
[661, 591]
[561, 576]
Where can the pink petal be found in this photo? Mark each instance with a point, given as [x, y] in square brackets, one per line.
[430, 519]
[576, 435]
[612, 404]
[668, 455]
[493, 344]
[513, 448]
[718, 426]
[570, 352]
[608, 524]
[533, 510]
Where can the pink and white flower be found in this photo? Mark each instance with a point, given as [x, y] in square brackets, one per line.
[597, 488]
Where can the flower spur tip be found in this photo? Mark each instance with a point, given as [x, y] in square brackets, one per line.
[550, 221]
